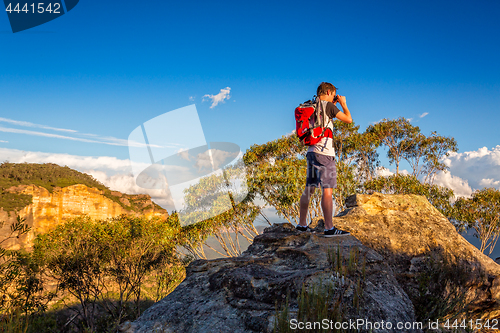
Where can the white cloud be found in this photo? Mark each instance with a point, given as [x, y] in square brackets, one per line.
[410, 119]
[424, 114]
[383, 171]
[191, 98]
[125, 183]
[489, 183]
[481, 168]
[220, 97]
[109, 164]
[459, 186]
[212, 159]
[219, 156]
[3, 141]
[121, 182]
[376, 122]
[49, 135]
[28, 124]
[184, 154]
[107, 140]
[204, 161]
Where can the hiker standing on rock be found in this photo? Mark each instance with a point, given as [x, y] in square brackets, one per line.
[315, 129]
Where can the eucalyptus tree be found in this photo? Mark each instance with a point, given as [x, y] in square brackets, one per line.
[276, 173]
[105, 265]
[22, 293]
[423, 153]
[437, 148]
[354, 149]
[398, 136]
[481, 212]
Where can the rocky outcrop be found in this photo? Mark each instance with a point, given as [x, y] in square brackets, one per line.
[416, 265]
[416, 238]
[239, 294]
[47, 209]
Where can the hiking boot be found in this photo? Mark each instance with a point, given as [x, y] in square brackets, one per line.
[335, 232]
[301, 228]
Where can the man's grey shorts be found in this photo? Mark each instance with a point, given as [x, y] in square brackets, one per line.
[321, 170]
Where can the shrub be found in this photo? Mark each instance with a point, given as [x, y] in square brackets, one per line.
[105, 264]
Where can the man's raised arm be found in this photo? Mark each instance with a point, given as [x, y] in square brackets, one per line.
[345, 115]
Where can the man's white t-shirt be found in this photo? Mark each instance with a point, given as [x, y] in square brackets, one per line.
[325, 145]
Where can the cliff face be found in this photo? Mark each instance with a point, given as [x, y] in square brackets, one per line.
[416, 267]
[50, 209]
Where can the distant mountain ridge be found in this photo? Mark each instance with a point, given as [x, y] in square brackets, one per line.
[47, 175]
[48, 194]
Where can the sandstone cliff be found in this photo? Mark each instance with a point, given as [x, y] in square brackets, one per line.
[416, 265]
[50, 209]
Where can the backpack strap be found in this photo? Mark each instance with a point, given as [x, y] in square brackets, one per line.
[321, 112]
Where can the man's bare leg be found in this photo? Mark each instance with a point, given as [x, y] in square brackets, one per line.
[327, 206]
[304, 205]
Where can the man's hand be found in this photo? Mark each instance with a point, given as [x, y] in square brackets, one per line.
[344, 116]
[341, 100]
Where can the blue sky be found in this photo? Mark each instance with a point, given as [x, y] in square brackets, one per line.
[106, 67]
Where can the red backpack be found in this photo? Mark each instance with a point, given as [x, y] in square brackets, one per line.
[311, 123]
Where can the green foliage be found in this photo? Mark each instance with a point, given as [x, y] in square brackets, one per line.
[397, 135]
[227, 227]
[14, 201]
[105, 264]
[277, 169]
[282, 317]
[426, 153]
[221, 204]
[276, 173]
[481, 212]
[17, 229]
[439, 196]
[46, 175]
[278, 149]
[346, 265]
[14, 322]
[404, 141]
[21, 285]
[347, 184]
[354, 149]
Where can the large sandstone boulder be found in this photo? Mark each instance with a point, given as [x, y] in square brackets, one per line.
[415, 237]
[417, 265]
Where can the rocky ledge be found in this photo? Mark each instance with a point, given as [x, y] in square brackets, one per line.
[403, 261]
